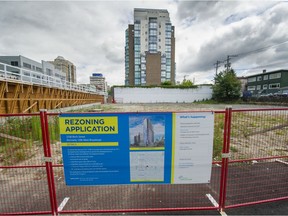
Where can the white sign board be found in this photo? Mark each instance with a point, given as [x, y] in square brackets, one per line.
[193, 147]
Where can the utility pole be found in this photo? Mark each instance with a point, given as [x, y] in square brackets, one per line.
[217, 65]
[228, 64]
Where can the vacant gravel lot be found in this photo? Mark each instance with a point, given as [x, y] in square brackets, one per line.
[175, 107]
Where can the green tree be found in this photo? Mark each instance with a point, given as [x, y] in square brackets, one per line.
[166, 83]
[187, 83]
[227, 87]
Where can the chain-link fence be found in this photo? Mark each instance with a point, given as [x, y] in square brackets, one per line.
[250, 154]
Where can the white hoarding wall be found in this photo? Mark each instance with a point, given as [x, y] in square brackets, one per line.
[161, 95]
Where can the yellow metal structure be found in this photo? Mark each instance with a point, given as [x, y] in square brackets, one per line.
[27, 98]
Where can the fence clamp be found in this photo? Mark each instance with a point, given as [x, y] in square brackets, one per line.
[47, 159]
[226, 155]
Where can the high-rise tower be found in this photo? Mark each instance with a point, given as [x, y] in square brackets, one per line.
[67, 67]
[150, 48]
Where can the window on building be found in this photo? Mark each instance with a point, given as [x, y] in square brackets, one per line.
[274, 85]
[137, 54]
[152, 39]
[251, 88]
[153, 32]
[137, 74]
[168, 34]
[275, 76]
[153, 47]
[137, 61]
[137, 81]
[258, 87]
[168, 27]
[26, 65]
[38, 69]
[137, 25]
[168, 68]
[137, 33]
[167, 41]
[14, 63]
[168, 48]
[153, 19]
[137, 40]
[143, 81]
[265, 77]
[152, 25]
[251, 79]
[137, 68]
[259, 78]
[48, 71]
[265, 86]
[143, 60]
[137, 47]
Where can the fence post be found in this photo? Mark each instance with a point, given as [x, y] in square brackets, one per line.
[225, 158]
[48, 161]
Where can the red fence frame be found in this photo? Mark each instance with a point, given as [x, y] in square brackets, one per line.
[229, 113]
[48, 161]
[223, 180]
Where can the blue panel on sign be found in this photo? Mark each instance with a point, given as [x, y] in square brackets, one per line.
[121, 148]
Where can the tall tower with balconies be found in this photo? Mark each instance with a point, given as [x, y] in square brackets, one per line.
[150, 48]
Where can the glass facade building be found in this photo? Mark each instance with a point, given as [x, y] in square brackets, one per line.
[150, 49]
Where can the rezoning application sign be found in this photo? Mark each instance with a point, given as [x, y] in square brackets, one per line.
[133, 148]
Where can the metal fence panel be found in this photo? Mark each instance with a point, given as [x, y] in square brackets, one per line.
[23, 179]
[135, 197]
[256, 170]
[259, 150]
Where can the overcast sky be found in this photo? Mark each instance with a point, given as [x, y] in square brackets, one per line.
[91, 34]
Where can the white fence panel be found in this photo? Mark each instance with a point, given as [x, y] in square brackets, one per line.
[162, 95]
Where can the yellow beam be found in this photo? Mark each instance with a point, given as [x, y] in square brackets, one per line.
[58, 104]
[45, 99]
[29, 107]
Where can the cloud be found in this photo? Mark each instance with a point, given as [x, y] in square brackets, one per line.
[91, 34]
[248, 31]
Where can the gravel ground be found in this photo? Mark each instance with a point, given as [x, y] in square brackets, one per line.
[175, 107]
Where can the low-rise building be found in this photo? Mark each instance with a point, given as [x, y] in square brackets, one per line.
[267, 82]
[30, 68]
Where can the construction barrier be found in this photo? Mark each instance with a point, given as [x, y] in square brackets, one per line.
[250, 159]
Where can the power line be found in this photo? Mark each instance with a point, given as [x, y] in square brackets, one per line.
[262, 66]
[260, 49]
[228, 63]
